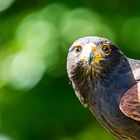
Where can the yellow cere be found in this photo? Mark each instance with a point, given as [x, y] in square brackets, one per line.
[98, 58]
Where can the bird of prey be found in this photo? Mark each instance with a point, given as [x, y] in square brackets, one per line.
[108, 83]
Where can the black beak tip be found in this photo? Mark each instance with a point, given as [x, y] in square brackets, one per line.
[90, 59]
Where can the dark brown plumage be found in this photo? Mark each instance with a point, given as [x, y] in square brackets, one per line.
[108, 83]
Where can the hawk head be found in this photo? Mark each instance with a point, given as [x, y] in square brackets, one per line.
[89, 59]
[92, 53]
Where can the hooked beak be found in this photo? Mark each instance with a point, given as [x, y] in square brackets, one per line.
[87, 55]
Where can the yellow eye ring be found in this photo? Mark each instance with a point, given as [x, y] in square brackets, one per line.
[106, 49]
[78, 49]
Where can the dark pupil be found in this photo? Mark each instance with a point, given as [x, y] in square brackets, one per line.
[105, 49]
[78, 49]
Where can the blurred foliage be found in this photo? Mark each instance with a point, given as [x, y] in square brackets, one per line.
[36, 100]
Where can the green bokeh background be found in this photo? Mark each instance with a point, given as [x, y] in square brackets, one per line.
[37, 101]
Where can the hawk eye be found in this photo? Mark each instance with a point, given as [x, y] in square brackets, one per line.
[77, 49]
[106, 49]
